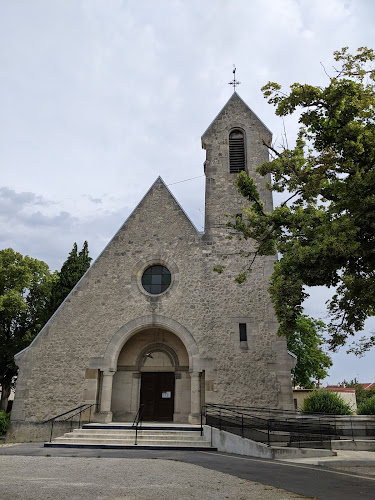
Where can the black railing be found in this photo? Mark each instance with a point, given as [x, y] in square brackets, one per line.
[272, 425]
[137, 423]
[79, 410]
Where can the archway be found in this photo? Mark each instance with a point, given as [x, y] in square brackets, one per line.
[109, 361]
[152, 370]
[190, 382]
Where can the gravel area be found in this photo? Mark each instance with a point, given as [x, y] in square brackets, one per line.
[59, 478]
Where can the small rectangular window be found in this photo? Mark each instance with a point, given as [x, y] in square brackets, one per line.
[243, 332]
[238, 219]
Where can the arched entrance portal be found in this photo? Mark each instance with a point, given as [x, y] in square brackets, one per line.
[152, 370]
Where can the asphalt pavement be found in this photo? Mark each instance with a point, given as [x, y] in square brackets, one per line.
[274, 477]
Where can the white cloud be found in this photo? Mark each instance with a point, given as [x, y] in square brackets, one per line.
[100, 97]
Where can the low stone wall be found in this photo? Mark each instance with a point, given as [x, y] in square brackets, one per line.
[356, 445]
[353, 425]
[27, 432]
[231, 443]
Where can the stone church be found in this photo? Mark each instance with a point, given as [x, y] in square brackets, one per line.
[151, 323]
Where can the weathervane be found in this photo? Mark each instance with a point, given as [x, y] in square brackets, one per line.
[234, 82]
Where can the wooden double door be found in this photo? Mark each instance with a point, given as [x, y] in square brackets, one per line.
[157, 396]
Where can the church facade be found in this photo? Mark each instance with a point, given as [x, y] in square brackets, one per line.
[151, 323]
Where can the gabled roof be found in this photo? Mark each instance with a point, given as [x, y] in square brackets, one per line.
[158, 182]
[233, 97]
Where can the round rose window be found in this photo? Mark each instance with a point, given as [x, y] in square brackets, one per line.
[156, 279]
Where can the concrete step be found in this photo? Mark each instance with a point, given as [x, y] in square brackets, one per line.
[129, 447]
[131, 432]
[108, 437]
[144, 442]
[144, 426]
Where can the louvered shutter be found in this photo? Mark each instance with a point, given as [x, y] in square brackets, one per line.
[236, 152]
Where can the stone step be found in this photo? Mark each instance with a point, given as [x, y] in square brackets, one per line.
[125, 442]
[110, 435]
[144, 426]
[106, 446]
[141, 432]
[124, 437]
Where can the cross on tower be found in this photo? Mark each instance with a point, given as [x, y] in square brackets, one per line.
[234, 82]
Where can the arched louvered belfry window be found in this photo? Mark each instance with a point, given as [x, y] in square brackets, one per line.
[236, 151]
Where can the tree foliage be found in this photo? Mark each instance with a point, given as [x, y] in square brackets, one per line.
[325, 230]
[324, 401]
[71, 272]
[367, 407]
[306, 343]
[362, 395]
[29, 295]
[25, 288]
[4, 421]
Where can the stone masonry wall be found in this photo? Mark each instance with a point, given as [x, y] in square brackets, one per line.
[257, 374]
[210, 306]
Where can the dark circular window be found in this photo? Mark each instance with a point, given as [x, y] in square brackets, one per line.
[156, 279]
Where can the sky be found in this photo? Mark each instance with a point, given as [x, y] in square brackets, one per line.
[100, 97]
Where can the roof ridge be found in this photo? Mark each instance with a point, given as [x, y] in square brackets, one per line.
[235, 95]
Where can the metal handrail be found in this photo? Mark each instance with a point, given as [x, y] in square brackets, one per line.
[276, 411]
[137, 422]
[80, 409]
[299, 427]
[219, 410]
[293, 415]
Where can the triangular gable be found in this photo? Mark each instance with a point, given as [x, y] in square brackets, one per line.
[158, 182]
[233, 97]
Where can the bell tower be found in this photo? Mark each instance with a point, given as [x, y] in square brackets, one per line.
[234, 141]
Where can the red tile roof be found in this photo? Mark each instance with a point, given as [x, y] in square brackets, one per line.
[334, 388]
[367, 385]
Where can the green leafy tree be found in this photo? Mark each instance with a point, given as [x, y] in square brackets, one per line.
[25, 288]
[362, 395]
[325, 230]
[367, 407]
[306, 343]
[71, 272]
[324, 401]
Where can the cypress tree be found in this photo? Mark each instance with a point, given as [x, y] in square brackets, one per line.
[71, 272]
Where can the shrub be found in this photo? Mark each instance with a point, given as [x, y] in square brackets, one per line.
[324, 401]
[4, 421]
[367, 407]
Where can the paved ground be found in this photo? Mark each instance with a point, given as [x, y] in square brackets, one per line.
[344, 458]
[31, 478]
[167, 474]
[358, 469]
